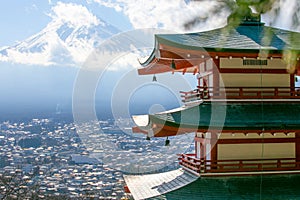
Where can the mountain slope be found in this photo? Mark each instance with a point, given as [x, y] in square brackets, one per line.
[60, 43]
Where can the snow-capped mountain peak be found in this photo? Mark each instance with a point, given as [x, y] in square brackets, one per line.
[66, 40]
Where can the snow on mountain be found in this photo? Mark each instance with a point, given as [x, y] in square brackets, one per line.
[68, 39]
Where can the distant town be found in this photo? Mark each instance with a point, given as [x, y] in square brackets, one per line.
[46, 158]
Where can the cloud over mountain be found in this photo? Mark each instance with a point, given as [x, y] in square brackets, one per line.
[170, 15]
[74, 31]
[68, 39]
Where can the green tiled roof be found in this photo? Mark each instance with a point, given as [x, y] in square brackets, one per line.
[235, 116]
[252, 37]
[243, 187]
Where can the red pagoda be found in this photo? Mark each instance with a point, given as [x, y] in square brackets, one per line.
[245, 110]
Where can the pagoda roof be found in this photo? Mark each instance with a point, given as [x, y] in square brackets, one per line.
[244, 37]
[246, 40]
[241, 187]
[226, 116]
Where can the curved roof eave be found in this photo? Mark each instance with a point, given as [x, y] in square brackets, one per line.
[149, 59]
[223, 41]
[153, 54]
[199, 117]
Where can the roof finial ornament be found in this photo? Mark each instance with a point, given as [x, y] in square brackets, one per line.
[242, 14]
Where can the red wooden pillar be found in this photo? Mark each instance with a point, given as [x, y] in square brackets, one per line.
[297, 147]
[197, 143]
[200, 149]
[292, 84]
[214, 148]
[216, 77]
[208, 147]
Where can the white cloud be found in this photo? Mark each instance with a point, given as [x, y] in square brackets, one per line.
[172, 14]
[76, 15]
[165, 14]
[125, 62]
[26, 52]
[26, 57]
[115, 5]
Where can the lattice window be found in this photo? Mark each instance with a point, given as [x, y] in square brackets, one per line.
[255, 62]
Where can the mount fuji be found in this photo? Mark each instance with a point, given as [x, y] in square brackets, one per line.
[34, 79]
[61, 42]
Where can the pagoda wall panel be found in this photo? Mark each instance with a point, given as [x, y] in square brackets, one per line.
[255, 151]
[255, 80]
[237, 63]
[255, 136]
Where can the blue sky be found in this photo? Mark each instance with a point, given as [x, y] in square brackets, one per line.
[29, 77]
[21, 19]
[29, 87]
[26, 19]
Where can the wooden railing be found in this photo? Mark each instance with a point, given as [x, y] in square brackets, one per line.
[246, 165]
[241, 93]
[191, 97]
[191, 162]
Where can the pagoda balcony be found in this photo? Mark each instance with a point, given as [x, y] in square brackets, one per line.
[203, 93]
[201, 166]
